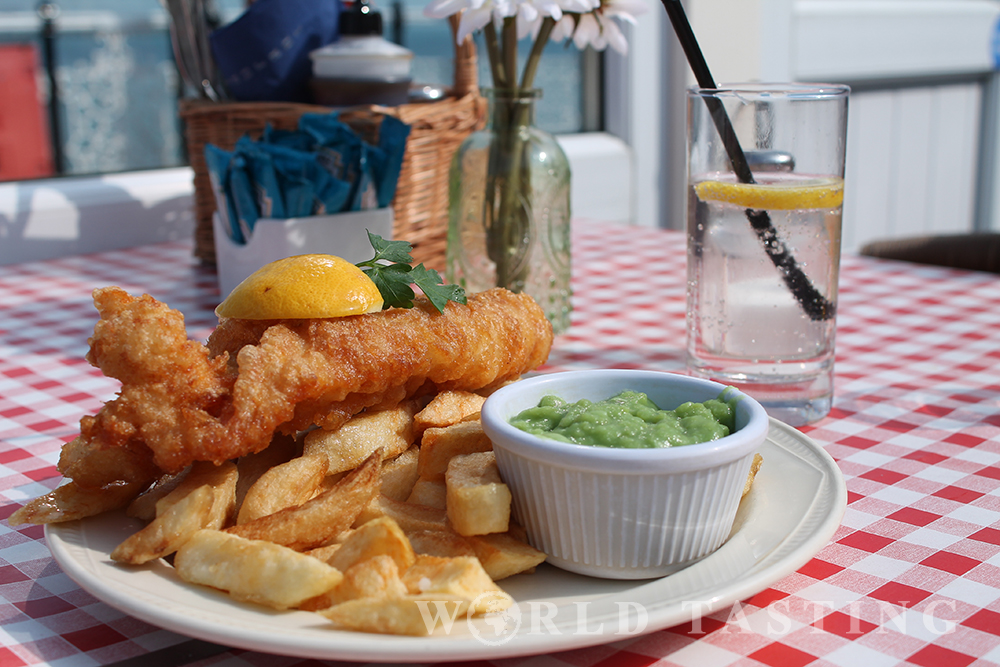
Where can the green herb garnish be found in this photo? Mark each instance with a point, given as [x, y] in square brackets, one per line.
[391, 271]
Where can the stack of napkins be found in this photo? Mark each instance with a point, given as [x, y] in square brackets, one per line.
[323, 167]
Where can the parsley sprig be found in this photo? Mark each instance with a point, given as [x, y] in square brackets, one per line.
[392, 272]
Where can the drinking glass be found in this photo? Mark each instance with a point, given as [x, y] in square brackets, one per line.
[765, 197]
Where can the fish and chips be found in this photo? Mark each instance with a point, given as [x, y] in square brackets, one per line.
[182, 401]
[303, 464]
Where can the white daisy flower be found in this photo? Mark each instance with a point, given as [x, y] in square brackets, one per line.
[476, 14]
[588, 33]
[579, 6]
[626, 10]
[441, 9]
[597, 29]
[586, 22]
[529, 20]
[563, 29]
[612, 34]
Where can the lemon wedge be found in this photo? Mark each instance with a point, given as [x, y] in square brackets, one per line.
[302, 287]
[827, 193]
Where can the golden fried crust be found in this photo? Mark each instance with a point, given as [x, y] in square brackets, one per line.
[182, 401]
[231, 335]
[302, 370]
[169, 387]
[462, 341]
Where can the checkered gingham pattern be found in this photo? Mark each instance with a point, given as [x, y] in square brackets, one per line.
[912, 577]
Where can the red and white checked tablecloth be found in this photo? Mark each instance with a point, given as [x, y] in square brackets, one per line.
[911, 577]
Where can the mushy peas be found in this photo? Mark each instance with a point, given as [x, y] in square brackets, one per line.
[628, 420]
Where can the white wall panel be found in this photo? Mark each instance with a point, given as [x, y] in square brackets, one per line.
[867, 180]
[911, 162]
[951, 206]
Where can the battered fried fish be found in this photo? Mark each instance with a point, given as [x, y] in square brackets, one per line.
[182, 401]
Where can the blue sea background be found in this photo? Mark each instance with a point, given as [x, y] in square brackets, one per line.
[118, 87]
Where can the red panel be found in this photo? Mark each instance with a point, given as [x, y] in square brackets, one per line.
[25, 150]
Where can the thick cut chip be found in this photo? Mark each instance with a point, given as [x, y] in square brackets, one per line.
[326, 552]
[502, 555]
[414, 615]
[518, 532]
[254, 570]
[478, 500]
[390, 429]
[224, 506]
[400, 474]
[381, 537]
[318, 521]
[462, 577]
[432, 493]
[329, 482]
[222, 479]
[169, 531]
[283, 448]
[203, 499]
[754, 468]
[447, 408]
[376, 577]
[144, 506]
[71, 501]
[409, 517]
[438, 446]
[444, 543]
[286, 485]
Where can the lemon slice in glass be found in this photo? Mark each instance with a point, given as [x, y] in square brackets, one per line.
[302, 287]
[827, 193]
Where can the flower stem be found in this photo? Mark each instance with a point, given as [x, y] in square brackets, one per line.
[508, 190]
[493, 49]
[510, 51]
[531, 67]
[508, 202]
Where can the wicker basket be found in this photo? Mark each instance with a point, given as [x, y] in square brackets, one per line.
[420, 207]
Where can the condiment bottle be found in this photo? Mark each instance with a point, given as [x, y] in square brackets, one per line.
[361, 67]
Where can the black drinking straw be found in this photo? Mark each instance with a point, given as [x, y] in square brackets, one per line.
[816, 306]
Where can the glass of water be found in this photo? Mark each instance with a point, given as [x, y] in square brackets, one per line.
[765, 197]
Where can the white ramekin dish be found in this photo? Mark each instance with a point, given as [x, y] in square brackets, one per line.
[622, 513]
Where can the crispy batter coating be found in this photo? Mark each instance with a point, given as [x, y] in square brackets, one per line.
[182, 401]
[295, 371]
[169, 387]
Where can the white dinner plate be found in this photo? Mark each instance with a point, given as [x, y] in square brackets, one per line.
[791, 512]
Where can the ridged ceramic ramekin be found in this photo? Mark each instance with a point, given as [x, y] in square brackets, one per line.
[622, 513]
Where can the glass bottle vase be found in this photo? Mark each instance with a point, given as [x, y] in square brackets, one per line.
[509, 218]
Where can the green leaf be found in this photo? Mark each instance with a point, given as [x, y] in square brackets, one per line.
[394, 279]
[397, 252]
[430, 283]
[393, 282]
